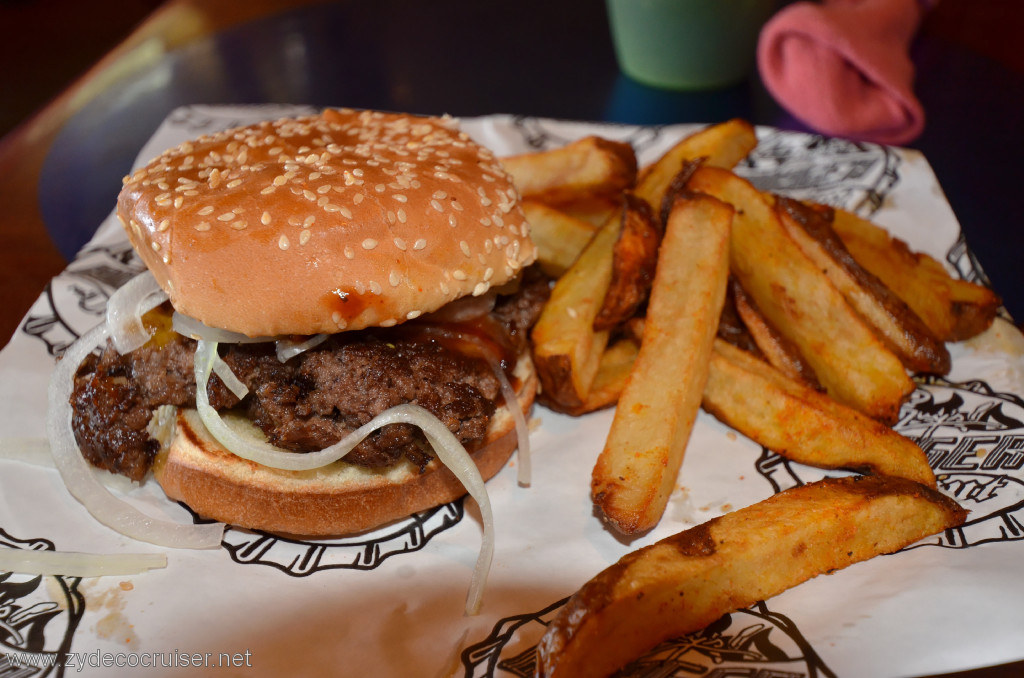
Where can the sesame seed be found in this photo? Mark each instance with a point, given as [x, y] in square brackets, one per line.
[357, 198]
[391, 217]
[155, 245]
[437, 206]
[400, 197]
[485, 221]
[390, 322]
[439, 195]
[369, 244]
[265, 218]
[280, 180]
[401, 215]
[380, 188]
[419, 244]
[202, 226]
[452, 221]
[349, 254]
[326, 188]
[412, 315]
[459, 274]
[488, 273]
[394, 278]
[572, 312]
[308, 195]
[283, 242]
[304, 237]
[480, 288]
[205, 211]
[268, 190]
[238, 225]
[313, 176]
[227, 216]
[375, 287]
[309, 221]
[346, 212]
[400, 244]
[444, 287]
[464, 246]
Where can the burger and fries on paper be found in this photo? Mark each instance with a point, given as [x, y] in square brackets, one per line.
[569, 275]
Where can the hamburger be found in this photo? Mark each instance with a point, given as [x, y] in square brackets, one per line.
[319, 273]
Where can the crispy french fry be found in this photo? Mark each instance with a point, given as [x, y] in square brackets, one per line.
[802, 424]
[559, 237]
[953, 309]
[685, 582]
[634, 258]
[567, 350]
[777, 349]
[894, 321]
[722, 145]
[637, 469]
[586, 170]
[612, 374]
[853, 364]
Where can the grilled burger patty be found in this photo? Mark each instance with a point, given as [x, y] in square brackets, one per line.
[314, 399]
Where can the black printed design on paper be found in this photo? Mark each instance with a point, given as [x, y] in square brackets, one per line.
[852, 175]
[540, 135]
[750, 642]
[81, 292]
[32, 623]
[302, 557]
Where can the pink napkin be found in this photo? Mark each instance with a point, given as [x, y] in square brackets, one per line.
[842, 67]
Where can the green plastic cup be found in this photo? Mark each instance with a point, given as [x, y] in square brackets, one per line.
[687, 44]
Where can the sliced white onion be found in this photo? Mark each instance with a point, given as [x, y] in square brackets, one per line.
[126, 307]
[289, 348]
[524, 472]
[188, 326]
[83, 485]
[34, 451]
[234, 384]
[447, 447]
[77, 564]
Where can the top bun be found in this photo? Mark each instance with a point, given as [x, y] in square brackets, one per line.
[327, 223]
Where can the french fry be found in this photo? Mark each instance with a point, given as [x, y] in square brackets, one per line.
[897, 325]
[637, 468]
[558, 236]
[588, 170]
[634, 258]
[802, 424]
[722, 145]
[685, 582]
[612, 374]
[953, 309]
[776, 349]
[567, 349]
[853, 364]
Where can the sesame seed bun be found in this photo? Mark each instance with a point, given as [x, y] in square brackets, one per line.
[327, 223]
[335, 500]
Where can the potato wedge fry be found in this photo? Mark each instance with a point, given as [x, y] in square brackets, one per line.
[953, 309]
[567, 350]
[802, 424]
[591, 169]
[634, 258]
[612, 374]
[559, 237]
[637, 469]
[851, 362]
[779, 351]
[722, 145]
[685, 582]
[894, 321]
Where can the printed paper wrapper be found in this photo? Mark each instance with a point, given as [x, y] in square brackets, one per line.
[390, 603]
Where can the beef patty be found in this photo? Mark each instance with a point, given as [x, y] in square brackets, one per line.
[311, 401]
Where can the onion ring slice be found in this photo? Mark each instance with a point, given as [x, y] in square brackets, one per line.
[126, 307]
[83, 485]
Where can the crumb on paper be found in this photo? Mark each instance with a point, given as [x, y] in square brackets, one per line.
[109, 604]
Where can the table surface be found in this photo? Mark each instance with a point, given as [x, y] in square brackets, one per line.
[60, 172]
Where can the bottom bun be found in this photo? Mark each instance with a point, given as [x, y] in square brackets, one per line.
[337, 499]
